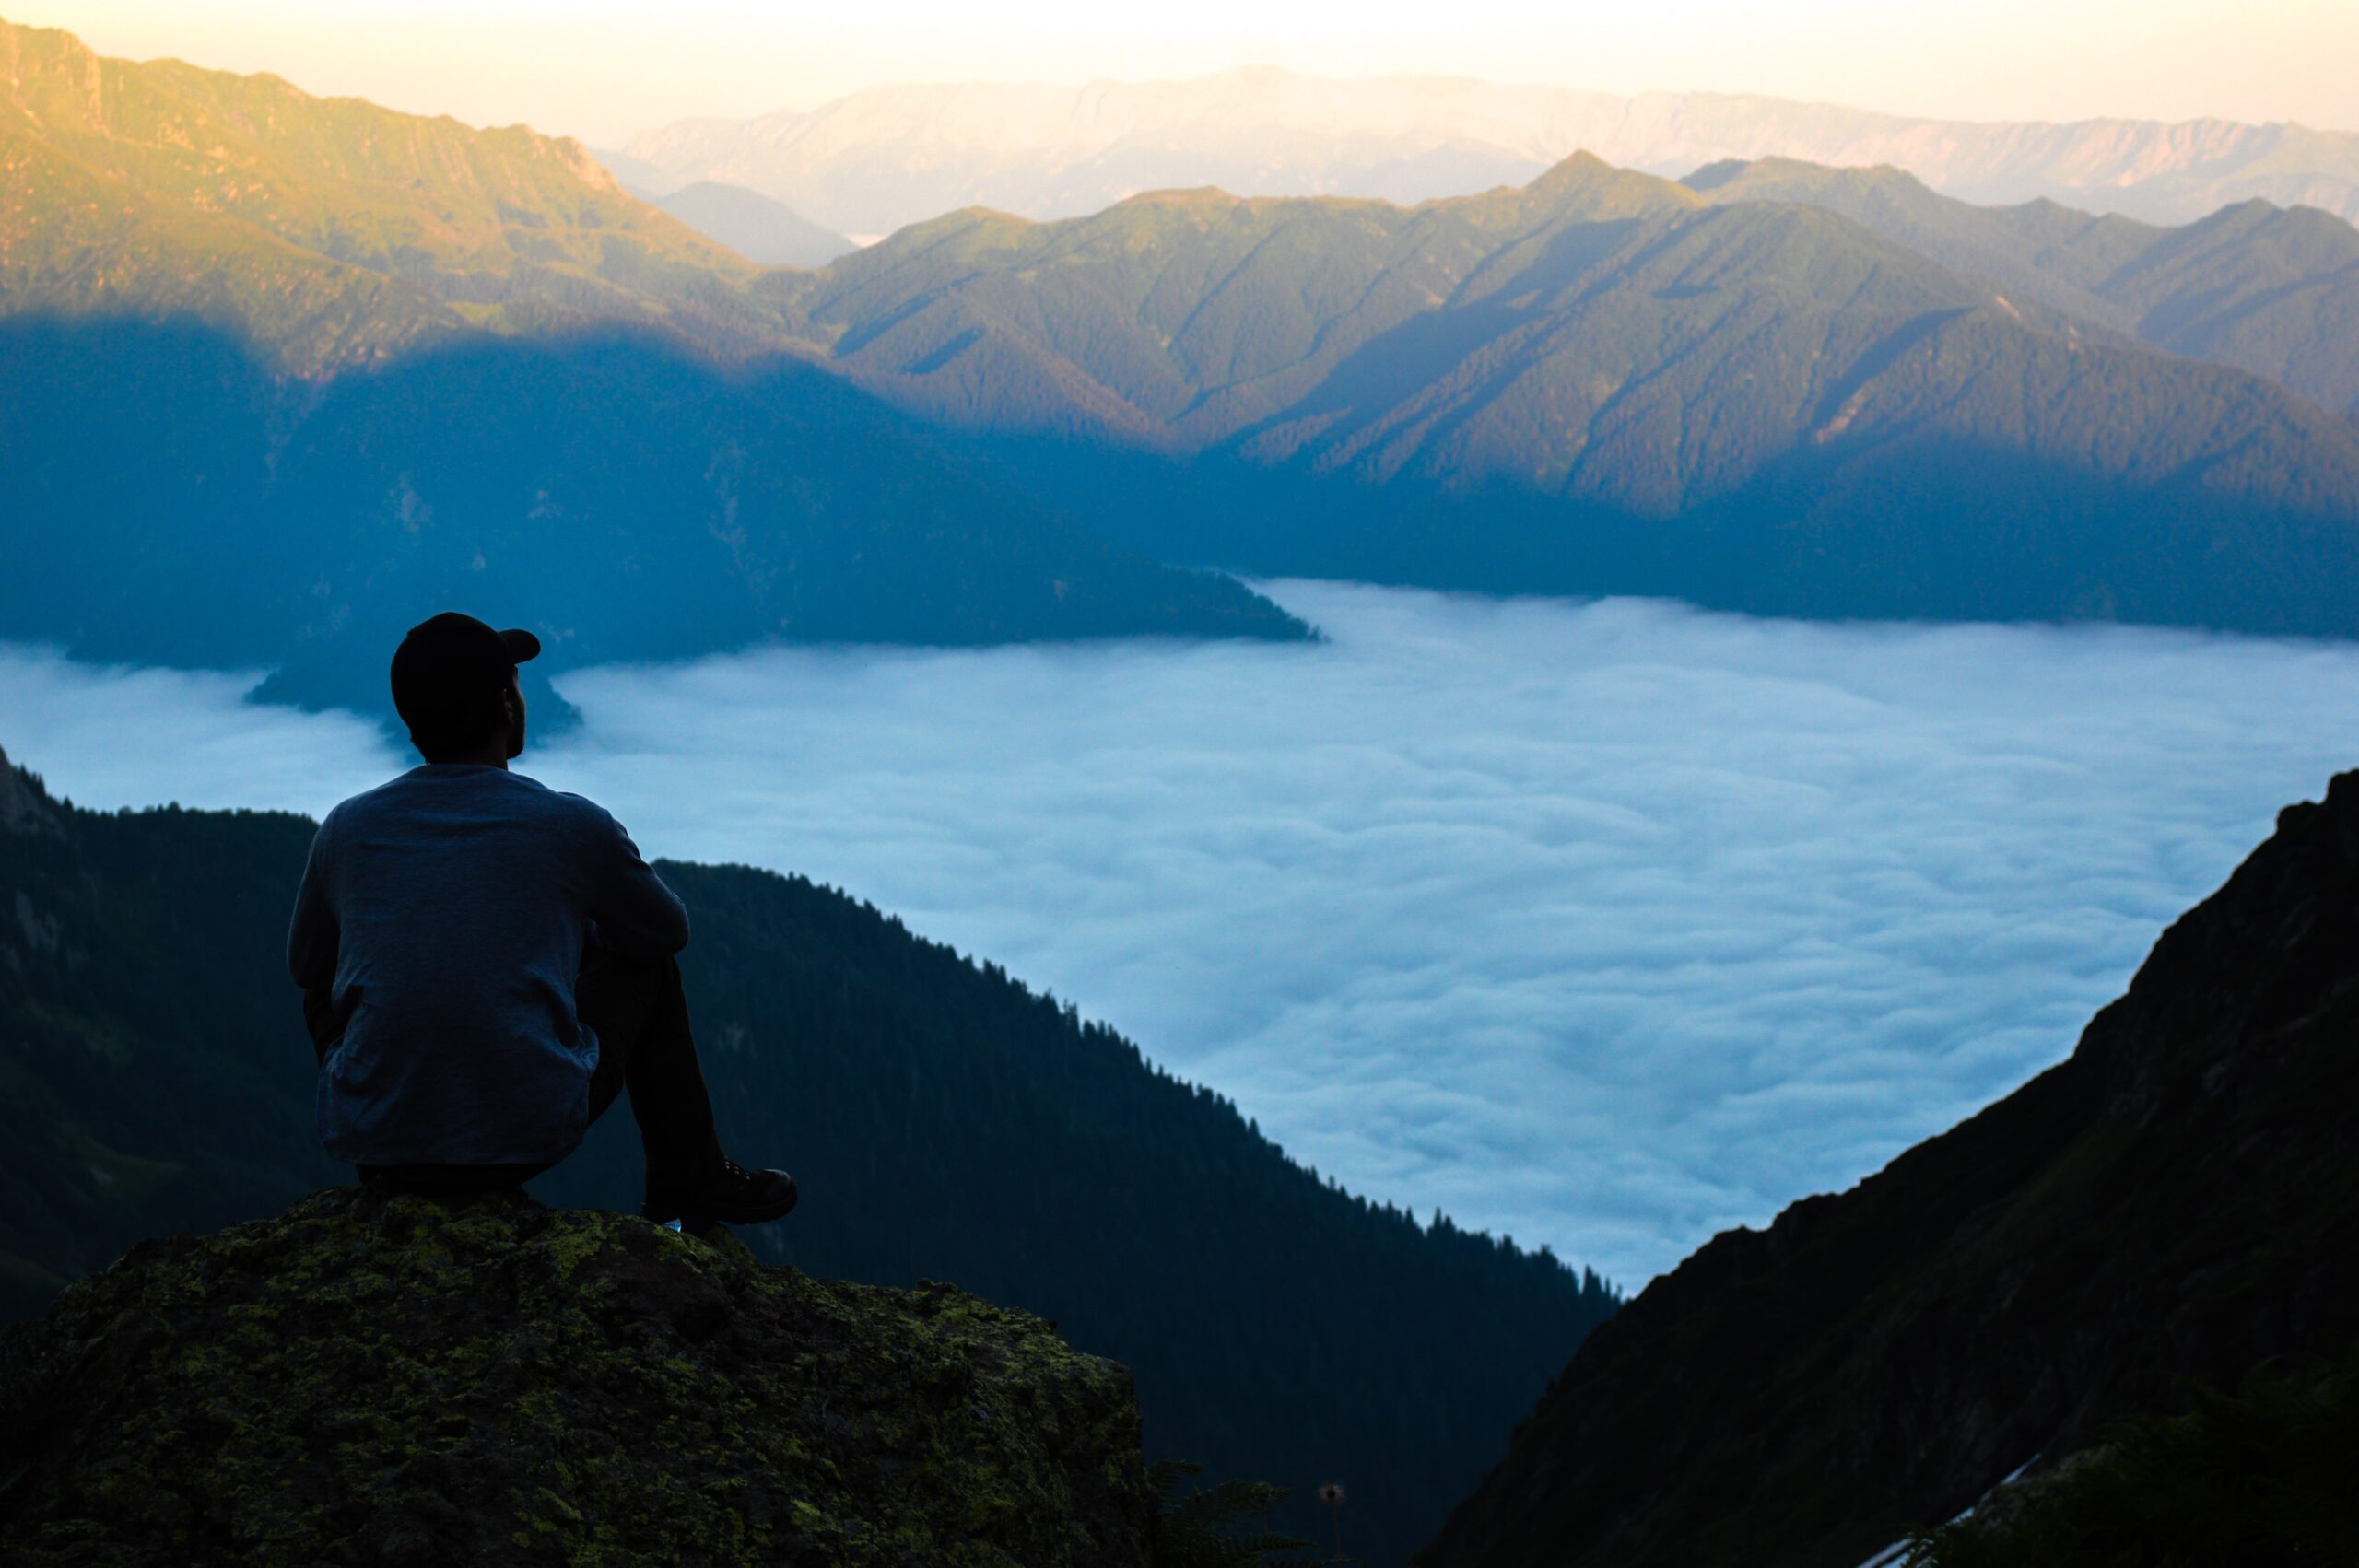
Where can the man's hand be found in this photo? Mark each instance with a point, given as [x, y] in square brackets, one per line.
[319, 1017]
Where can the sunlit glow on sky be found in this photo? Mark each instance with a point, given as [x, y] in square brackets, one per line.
[606, 69]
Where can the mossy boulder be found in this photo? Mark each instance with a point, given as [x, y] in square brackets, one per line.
[387, 1380]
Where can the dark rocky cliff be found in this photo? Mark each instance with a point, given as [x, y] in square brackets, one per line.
[363, 1380]
[2179, 1199]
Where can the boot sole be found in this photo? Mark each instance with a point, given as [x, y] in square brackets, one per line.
[691, 1218]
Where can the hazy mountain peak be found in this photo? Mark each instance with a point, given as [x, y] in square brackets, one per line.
[1194, 196]
[1602, 190]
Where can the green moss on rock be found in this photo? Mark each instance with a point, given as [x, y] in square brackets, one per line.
[398, 1380]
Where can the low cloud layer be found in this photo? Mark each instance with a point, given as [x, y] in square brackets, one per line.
[1606, 926]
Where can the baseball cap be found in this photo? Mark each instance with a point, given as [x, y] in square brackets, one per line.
[448, 673]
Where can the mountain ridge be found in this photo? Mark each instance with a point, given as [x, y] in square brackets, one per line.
[2264, 289]
[1574, 366]
[314, 217]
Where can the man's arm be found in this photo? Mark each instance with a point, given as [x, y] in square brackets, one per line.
[636, 914]
[313, 940]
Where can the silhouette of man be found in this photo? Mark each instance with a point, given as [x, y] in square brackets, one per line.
[487, 963]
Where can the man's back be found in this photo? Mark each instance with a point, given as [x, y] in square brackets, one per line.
[446, 914]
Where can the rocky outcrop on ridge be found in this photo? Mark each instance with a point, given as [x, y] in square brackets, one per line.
[366, 1379]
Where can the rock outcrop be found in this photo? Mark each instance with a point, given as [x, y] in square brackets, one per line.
[389, 1380]
[2179, 1200]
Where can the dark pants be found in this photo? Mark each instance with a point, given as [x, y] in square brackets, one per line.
[640, 1015]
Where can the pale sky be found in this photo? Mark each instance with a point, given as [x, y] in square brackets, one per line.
[604, 69]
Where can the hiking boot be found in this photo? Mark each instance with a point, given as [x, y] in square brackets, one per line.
[732, 1195]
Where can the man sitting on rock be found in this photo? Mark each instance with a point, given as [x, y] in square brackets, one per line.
[487, 963]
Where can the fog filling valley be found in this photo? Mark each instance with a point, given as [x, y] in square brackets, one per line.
[1604, 925]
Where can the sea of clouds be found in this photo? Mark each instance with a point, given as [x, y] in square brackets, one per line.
[1604, 925]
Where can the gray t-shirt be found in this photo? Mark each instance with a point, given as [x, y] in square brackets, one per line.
[447, 912]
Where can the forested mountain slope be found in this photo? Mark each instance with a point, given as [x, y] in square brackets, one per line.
[944, 1121]
[1193, 319]
[2179, 1199]
[324, 232]
[2269, 290]
[1603, 381]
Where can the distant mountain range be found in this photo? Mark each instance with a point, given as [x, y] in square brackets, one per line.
[377, 364]
[874, 160]
[2178, 1201]
[1607, 381]
[946, 1123]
